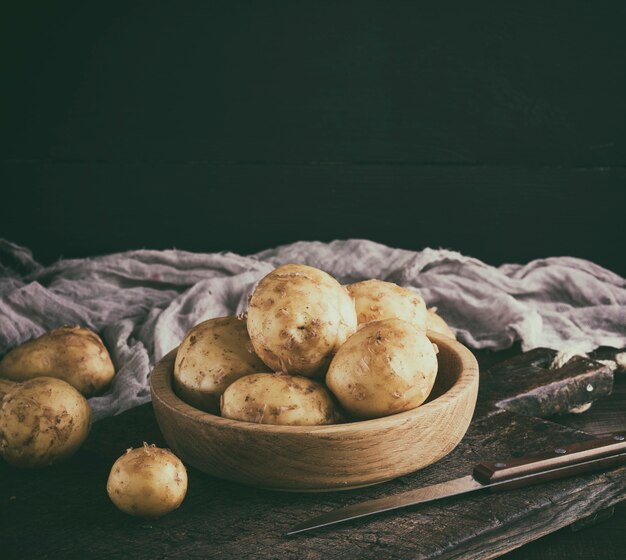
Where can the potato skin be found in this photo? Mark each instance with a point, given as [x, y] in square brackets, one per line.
[298, 318]
[42, 422]
[386, 367]
[74, 354]
[436, 323]
[376, 300]
[212, 355]
[5, 387]
[147, 482]
[269, 398]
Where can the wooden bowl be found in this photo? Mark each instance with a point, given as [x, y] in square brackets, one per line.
[323, 458]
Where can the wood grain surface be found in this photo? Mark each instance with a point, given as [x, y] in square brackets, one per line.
[219, 519]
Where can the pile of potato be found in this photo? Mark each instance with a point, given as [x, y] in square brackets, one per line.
[45, 418]
[311, 351]
[308, 352]
[44, 414]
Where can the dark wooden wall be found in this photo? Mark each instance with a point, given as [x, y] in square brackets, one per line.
[497, 129]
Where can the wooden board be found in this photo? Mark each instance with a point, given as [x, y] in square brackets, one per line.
[68, 510]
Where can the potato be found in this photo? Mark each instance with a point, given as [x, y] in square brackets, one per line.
[212, 355]
[386, 367]
[42, 422]
[298, 318]
[147, 482]
[436, 323]
[73, 354]
[376, 300]
[267, 398]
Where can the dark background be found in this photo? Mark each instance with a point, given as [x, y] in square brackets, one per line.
[496, 129]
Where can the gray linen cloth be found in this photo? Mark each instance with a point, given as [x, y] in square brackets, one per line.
[143, 302]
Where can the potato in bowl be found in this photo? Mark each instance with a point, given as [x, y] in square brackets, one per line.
[213, 354]
[384, 368]
[298, 317]
[289, 400]
[437, 323]
[376, 300]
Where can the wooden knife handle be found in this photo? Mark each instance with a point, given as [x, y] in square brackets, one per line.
[566, 460]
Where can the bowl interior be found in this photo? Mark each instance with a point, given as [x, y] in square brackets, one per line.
[450, 369]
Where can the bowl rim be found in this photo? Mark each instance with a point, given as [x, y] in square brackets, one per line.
[161, 389]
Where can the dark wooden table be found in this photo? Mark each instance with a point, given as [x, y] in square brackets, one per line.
[604, 536]
[36, 505]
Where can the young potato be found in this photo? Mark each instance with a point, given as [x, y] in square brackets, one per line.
[386, 367]
[212, 355]
[376, 300]
[298, 317]
[436, 323]
[73, 354]
[42, 422]
[268, 398]
[147, 482]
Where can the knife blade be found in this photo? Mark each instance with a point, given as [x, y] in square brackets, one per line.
[563, 461]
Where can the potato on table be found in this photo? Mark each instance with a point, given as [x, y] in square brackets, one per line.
[42, 422]
[298, 318]
[386, 367]
[268, 398]
[147, 482]
[73, 354]
[212, 355]
[376, 300]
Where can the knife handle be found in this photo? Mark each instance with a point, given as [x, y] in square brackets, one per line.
[566, 460]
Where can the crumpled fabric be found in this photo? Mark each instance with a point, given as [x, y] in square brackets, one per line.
[143, 302]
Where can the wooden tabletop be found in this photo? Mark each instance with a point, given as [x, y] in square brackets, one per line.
[36, 505]
[603, 537]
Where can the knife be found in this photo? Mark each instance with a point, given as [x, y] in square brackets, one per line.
[568, 460]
